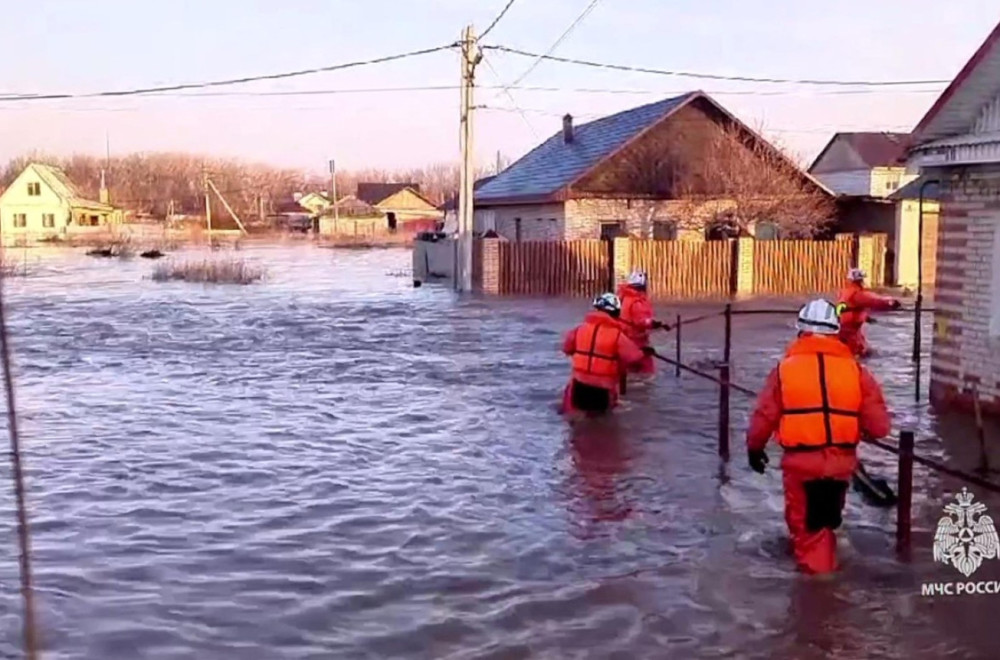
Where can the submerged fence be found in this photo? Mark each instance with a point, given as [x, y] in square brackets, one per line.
[904, 449]
[677, 269]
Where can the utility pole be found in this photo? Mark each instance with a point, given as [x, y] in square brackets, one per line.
[471, 56]
[499, 162]
[208, 205]
[333, 193]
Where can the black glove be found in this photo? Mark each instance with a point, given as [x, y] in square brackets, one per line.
[896, 304]
[757, 459]
[657, 325]
[648, 350]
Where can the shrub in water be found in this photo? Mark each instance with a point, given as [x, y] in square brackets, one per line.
[229, 270]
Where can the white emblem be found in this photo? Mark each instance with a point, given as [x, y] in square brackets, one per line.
[963, 539]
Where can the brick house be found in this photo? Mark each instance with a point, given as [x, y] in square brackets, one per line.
[957, 143]
[617, 176]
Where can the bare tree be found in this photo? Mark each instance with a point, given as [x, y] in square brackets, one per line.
[749, 182]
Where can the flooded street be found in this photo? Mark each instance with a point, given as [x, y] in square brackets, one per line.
[334, 464]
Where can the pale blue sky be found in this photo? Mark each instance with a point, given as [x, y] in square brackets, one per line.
[71, 46]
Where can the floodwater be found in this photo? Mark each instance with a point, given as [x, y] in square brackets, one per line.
[334, 464]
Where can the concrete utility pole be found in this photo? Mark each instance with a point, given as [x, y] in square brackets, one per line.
[471, 56]
[333, 192]
[208, 205]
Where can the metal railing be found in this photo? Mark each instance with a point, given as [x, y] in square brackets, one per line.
[904, 449]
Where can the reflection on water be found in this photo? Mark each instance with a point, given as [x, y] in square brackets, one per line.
[335, 464]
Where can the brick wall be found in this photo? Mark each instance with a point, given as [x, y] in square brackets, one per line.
[584, 216]
[964, 354]
[539, 222]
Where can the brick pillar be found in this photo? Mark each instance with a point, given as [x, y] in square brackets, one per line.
[866, 258]
[491, 266]
[744, 266]
[623, 257]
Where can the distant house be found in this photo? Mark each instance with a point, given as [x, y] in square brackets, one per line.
[865, 170]
[614, 176]
[42, 202]
[957, 144]
[314, 202]
[401, 203]
[863, 164]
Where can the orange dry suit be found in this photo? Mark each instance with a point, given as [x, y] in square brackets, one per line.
[819, 402]
[859, 301]
[637, 318]
[600, 349]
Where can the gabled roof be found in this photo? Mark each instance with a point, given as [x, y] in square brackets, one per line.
[874, 149]
[553, 165]
[957, 108]
[373, 193]
[546, 172]
[59, 183]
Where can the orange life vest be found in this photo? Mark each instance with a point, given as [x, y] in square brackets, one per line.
[596, 350]
[820, 395]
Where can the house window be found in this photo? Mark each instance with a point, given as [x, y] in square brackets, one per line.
[612, 230]
[517, 229]
[94, 221]
[20, 220]
[34, 189]
[48, 220]
[664, 230]
[891, 184]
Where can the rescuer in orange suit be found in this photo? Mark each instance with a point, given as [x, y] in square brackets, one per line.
[819, 402]
[637, 317]
[600, 349]
[854, 303]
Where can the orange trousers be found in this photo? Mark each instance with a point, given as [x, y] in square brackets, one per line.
[815, 550]
[855, 340]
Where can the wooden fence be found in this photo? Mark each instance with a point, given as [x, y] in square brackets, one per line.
[677, 269]
[684, 269]
[551, 268]
[786, 267]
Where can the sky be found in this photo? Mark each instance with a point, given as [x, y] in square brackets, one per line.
[66, 46]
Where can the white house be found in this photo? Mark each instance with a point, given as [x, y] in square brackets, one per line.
[43, 202]
[957, 144]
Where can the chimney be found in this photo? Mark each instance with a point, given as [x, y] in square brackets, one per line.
[568, 128]
[103, 196]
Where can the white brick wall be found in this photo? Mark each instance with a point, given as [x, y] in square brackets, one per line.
[539, 222]
[968, 287]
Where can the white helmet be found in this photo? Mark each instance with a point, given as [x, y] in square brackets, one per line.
[608, 302]
[856, 275]
[638, 279]
[819, 317]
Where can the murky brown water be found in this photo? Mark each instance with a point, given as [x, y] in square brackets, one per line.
[336, 465]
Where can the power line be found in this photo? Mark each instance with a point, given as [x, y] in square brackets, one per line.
[496, 20]
[511, 97]
[533, 88]
[712, 76]
[232, 81]
[558, 41]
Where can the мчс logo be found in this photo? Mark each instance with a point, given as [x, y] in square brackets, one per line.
[966, 535]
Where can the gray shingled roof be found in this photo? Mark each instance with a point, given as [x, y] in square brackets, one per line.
[553, 165]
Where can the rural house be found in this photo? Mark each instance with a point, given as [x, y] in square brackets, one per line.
[683, 167]
[957, 144]
[400, 203]
[867, 172]
[42, 202]
[313, 202]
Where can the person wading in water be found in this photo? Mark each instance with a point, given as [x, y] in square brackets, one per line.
[819, 402]
[600, 350]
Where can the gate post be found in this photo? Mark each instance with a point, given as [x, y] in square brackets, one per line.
[904, 503]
